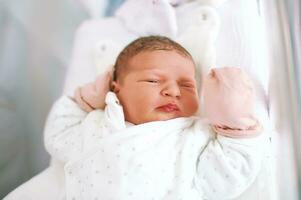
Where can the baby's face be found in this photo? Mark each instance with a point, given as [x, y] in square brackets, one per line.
[157, 85]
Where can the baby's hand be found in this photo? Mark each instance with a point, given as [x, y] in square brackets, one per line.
[92, 95]
[228, 102]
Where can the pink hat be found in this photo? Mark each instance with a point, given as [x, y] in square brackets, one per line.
[229, 102]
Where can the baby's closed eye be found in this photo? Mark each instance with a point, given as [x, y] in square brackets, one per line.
[152, 81]
[187, 85]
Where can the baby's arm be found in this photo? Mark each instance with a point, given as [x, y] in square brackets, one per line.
[232, 157]
[228, 166]
[62, 135]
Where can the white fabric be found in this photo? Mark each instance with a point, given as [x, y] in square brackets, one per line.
[198, 30]
[239, 43]
[48, 185]
[179, 158]
[159, 17]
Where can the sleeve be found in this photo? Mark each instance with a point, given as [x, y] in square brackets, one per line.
[227, 166]
[62, 135]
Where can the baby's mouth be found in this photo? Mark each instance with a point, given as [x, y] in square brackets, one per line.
[170, 107]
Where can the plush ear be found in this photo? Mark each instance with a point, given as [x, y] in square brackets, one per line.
[199, 36]
[104, 55]
[148, 17]
[213, 3]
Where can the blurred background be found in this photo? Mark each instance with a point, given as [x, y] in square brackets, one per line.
[36, 40]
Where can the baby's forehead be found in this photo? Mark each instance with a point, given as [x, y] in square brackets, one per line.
[163, 73]
[152, 61]
[149, 56]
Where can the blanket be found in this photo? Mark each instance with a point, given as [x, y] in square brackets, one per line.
[107, 158]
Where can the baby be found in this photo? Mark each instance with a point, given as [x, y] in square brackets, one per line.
[143, 139]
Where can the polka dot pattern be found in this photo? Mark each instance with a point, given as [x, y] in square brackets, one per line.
[148, 161]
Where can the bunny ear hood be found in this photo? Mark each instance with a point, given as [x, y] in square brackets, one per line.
[147, 17]
[213, 3]
[159, 17]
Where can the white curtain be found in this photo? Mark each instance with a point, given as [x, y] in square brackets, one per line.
[283, 24]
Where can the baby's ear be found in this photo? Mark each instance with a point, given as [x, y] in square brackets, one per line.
[115, 87]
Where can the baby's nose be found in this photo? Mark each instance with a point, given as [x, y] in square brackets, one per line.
[171, 90]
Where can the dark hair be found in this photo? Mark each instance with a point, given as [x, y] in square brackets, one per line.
[142, 44]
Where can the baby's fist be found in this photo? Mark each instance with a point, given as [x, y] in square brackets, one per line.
[92, 95]
[229, 98]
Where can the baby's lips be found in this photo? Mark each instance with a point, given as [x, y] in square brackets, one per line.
[170, 107]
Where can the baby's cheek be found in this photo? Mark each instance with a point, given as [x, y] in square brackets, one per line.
[191, 105]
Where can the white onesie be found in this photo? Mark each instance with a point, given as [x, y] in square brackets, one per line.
[107, 158]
